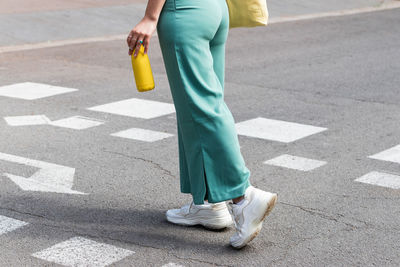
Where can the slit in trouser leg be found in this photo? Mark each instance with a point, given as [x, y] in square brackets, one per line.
[205, 179]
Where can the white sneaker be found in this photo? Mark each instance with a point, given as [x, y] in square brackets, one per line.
[248, 217]
[210, 215]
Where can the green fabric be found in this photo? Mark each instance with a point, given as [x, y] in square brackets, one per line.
[192, 36]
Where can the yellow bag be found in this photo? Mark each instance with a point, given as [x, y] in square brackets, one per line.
[247, 13]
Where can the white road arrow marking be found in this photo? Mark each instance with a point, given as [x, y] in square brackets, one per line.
[50, 178]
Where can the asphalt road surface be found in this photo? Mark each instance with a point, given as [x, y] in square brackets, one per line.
[88, 166]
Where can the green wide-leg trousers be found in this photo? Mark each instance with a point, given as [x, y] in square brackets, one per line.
[192, 36]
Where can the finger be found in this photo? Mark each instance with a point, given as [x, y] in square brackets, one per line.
[138, 44]
[131, 37]
[137, 48]
[132, 44]
[132, 40]
[131, 48]
[130, 51]
[128, 39]
[146, 44]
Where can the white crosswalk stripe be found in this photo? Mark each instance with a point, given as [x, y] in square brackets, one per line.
[391, 154]
[77, 122]
[138, 108]
[275, 130]
[296, 163]
[171, 264]
[381, 179]
[9, 224]
[142, 135]
[27, 120]
[79, 251]
[32, 91]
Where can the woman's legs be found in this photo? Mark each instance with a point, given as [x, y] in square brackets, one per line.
[193, 50]
[211, 164]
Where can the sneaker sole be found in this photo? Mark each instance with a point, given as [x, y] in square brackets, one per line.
[270, 207]
[205, 224]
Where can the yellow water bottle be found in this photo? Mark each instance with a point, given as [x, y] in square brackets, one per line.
[142, 71]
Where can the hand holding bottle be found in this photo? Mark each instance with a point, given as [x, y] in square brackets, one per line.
[141, 32]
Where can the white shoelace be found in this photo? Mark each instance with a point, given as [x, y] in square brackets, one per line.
[186, 209]
[234, 218]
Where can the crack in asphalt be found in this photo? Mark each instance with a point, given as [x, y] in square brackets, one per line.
[24, 213]
[157, 165]
[326, 216]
